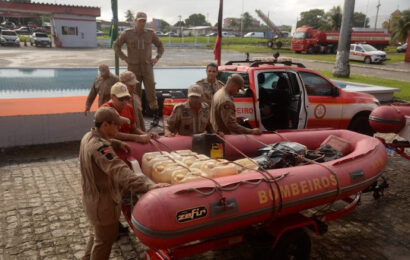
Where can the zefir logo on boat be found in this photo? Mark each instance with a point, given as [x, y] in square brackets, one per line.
[191, 214]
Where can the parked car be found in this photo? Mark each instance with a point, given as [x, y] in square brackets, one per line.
[8, 37]
[159, 33]
[228, 34]
[286, 95]
[171, 34]
[366, 53]
[212, 34]
[8, 25]
[254, 35]
[23, 30]
[40, 39]
[100, 33]
[402, 48]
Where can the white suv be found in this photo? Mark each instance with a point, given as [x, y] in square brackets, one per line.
[40, 39]
[366, 53]
[8, 37]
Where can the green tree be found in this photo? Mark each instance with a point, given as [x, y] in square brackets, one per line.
[333, 19]
[180, 23]
[401, 27]
[196, 20]
[164, 26]
[285, 28]
[129, 16]
[360, 20]
[313, 18]
[246, 20]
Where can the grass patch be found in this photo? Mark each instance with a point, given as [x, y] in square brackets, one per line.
[402, 85]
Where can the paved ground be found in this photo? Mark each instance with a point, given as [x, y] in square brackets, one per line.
[41, 215]
[46, 57]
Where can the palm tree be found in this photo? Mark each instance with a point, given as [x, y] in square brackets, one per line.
[334, 18]
[401, 27]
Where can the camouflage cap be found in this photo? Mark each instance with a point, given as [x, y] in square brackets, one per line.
[109, 114]
[195, 90]
[128, 77]
[141, 16]
[120, 90]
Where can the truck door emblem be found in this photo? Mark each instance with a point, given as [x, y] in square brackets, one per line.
[320, 111]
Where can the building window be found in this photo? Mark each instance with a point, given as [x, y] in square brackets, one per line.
[67, 30]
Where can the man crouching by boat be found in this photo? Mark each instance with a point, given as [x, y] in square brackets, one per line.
[190, 117]
[104, 177]
[120, 97]
[223, 117]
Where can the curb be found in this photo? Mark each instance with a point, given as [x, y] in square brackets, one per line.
[358, 66]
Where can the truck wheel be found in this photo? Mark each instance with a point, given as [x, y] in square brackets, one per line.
[269, 44]
[294, 244]
[360, 124]
[310, 49]
[367, 60]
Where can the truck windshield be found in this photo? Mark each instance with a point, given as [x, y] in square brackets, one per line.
[299, 35]
[368, 47]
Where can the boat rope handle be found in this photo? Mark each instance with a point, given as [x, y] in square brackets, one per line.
[236, 186]
[339, 190]
[263, 172]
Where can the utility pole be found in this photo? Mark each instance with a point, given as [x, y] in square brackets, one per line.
[342, 67]
[377, 15]
[242, 21]
[365, 17]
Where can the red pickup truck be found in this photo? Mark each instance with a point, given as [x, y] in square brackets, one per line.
[281, 94]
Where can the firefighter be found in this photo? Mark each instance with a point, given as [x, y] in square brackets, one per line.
[102, 175]
[223, 117]
[139, 58]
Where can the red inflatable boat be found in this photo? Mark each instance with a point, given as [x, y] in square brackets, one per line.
[394, 118]
[172, 216]
[389, 119]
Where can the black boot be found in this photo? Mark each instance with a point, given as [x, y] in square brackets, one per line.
[155, 119]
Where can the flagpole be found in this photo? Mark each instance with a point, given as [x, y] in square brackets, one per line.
[114, 33]
[218, 43]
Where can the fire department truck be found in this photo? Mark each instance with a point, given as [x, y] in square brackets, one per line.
[281, 94]
[312, 40]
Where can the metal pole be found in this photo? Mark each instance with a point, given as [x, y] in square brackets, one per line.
[377, 15]
[242, 21]
[342, 67]
[114, 6]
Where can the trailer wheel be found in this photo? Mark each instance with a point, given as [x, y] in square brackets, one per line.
[294, 244]
[270, 44]
[360, 124]
[310, 49]
[367, 60]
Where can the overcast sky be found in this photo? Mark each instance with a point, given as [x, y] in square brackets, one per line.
[280, 11]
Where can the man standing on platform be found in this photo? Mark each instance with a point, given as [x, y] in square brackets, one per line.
[101, 87]
[139, 42]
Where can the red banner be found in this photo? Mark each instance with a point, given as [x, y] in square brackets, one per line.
[218, 43]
